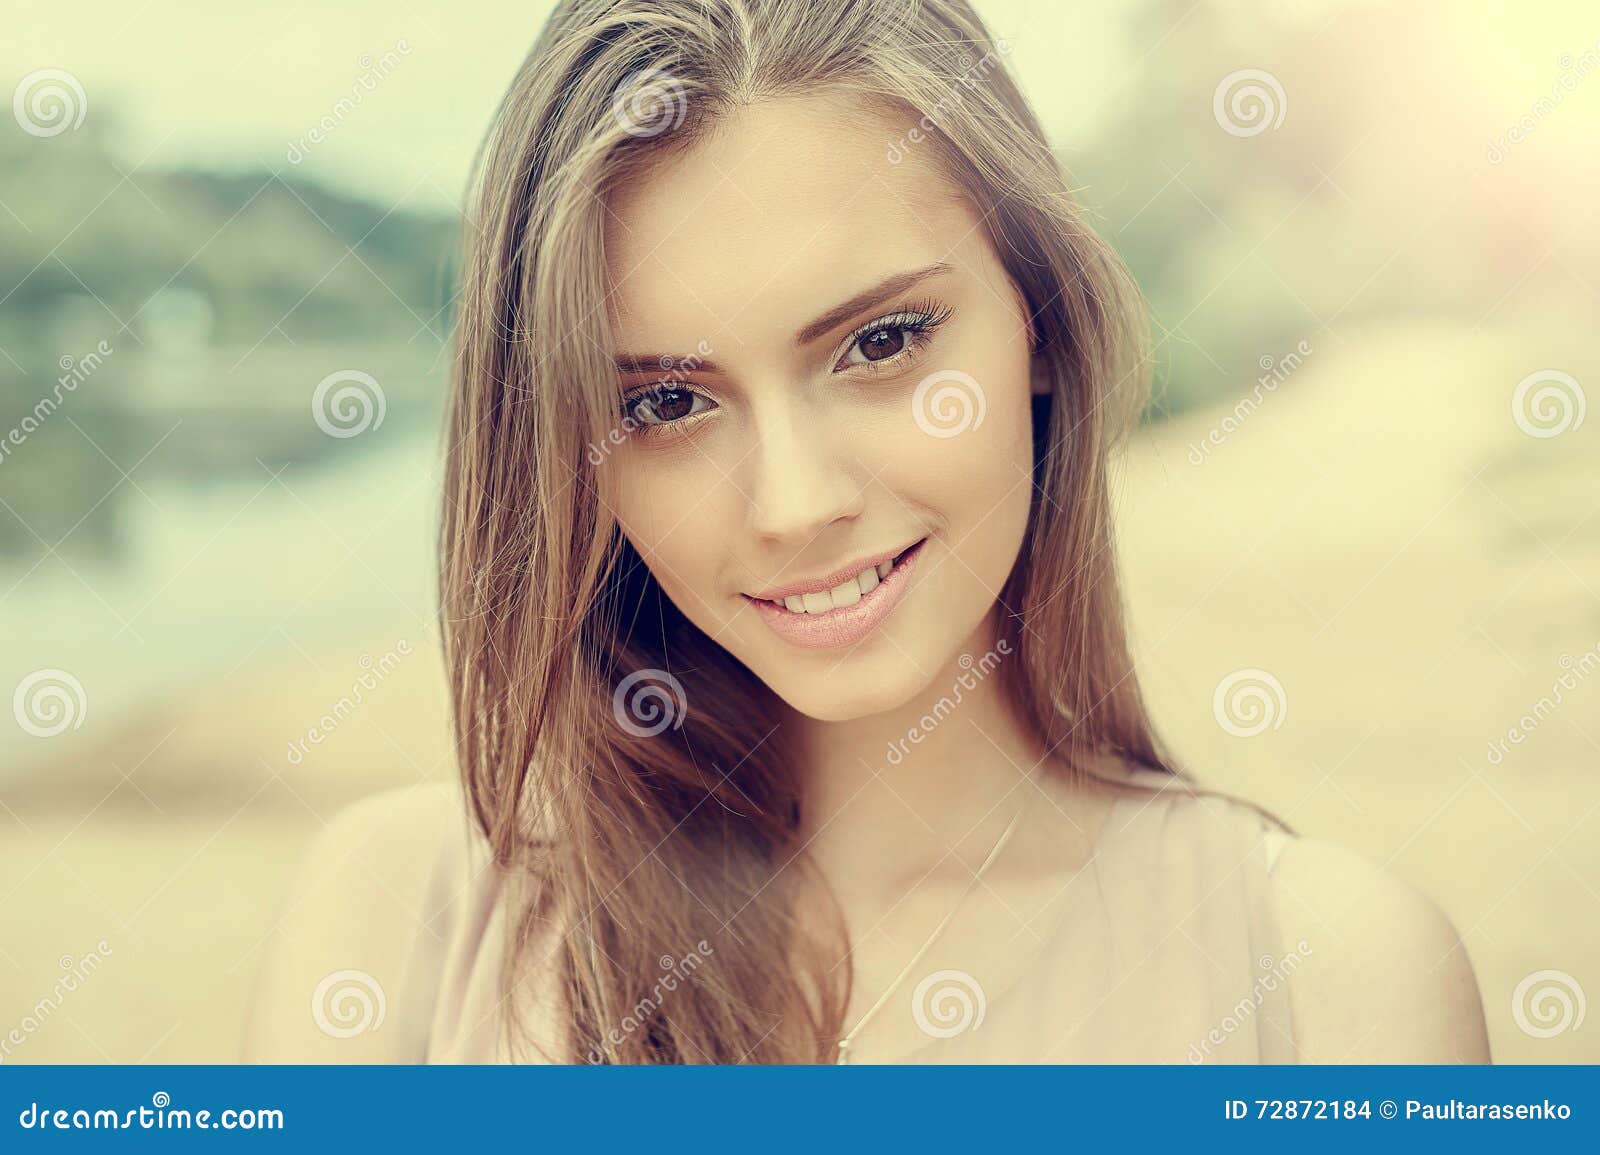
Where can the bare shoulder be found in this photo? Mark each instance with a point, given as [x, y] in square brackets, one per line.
[343, 936]
[1383, 976]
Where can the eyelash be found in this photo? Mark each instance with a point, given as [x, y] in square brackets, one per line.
[917, 320]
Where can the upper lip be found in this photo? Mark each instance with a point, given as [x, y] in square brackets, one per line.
[836, 578]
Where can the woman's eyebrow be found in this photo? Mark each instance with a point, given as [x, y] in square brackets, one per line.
[884, 289]
[662, 363]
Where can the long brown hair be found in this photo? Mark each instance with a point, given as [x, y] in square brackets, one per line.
[643, 845]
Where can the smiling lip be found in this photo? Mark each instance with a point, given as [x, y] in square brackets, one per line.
[836, 578]
[848, 624]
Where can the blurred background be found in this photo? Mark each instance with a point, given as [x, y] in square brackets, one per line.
[1361, 524]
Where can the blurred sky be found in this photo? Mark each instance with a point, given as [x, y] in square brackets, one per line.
[237, 82]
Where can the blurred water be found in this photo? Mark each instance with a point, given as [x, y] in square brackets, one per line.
[215, 574]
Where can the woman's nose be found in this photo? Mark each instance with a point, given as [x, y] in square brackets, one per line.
[799, 477]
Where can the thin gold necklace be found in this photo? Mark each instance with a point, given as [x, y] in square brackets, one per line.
[850, 1037]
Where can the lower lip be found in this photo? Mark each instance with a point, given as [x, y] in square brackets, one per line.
[843, 627]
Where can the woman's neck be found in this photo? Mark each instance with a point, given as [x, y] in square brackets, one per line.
[890, 796]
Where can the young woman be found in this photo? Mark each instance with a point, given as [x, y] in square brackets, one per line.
[794, 711]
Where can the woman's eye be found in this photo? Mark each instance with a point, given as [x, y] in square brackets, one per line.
[662, 406]
[895, 338]
[881, 343]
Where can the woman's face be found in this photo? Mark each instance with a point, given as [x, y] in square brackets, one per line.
[826, 364]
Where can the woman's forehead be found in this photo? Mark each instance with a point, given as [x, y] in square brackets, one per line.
[784, 209]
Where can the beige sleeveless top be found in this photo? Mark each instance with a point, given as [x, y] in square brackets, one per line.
[1166, 951]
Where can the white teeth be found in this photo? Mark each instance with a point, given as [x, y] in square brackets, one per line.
[846, 593]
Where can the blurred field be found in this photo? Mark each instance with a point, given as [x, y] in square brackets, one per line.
[1413, 557]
